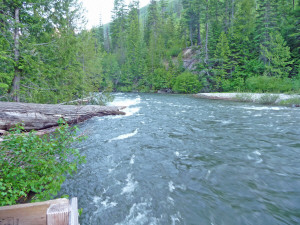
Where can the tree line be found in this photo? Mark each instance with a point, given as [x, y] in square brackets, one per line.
[45, 54]
[234, 45]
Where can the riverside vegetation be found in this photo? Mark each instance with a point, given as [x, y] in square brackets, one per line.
[32, 168]
[46, 56]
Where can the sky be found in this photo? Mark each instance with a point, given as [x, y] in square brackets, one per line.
[95, 8]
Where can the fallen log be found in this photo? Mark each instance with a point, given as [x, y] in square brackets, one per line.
[43, 116]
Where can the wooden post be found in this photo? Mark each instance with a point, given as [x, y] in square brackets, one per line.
[58, 214]
[28, 214]
[54, 212]
[73, 219]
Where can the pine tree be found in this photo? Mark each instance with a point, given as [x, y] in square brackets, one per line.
[135, 62]
[278, 56]
[222, 57]
[118, 28]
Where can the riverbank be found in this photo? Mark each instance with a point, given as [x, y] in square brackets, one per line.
[261, 98]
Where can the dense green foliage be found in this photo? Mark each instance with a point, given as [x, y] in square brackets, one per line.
[187, 83]
[45, 56]
[235, 44]
[37, 165]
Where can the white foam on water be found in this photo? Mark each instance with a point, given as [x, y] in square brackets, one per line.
[130, 186]
[131, 111]
[96, 199]
[171, 186]
[207, 175]
[226, 121]
[177, 154]
[260, 108]
[108, 204]
[175, 218]
[138, 215]
[255, 156]
[121, 101]
[257, 152]
[171, 200]
[132, 159]
[259, 160]
[124, 136]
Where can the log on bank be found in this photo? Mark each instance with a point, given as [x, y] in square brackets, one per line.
[43, 116]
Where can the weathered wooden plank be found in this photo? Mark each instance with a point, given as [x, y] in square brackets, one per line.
[73, 212]
[58, 214]
[28, 214]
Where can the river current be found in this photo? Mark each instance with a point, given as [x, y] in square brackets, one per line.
[175, 159]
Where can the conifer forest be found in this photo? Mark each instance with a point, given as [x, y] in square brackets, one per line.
[178, 46]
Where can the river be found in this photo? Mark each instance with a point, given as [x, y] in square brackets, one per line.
[175, 159]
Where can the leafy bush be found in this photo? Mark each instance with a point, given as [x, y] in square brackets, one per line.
[187, 83]
[296, 85]
[174, 51]
[29, 163]
[269, 84]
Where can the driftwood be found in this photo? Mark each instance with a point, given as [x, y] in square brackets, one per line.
[43, 116]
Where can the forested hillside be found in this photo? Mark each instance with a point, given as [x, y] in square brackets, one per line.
[233, 45]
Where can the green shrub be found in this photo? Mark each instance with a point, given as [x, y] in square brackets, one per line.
[29, 163]
[269, 84]
[125, 89]
[187, 83]
[296, 85]
[174, 51]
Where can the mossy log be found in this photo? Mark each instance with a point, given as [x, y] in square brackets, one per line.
[43, 116]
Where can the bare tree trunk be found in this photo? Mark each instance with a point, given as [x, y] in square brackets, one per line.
[227, 18]
[232, 12]
[199, 42]
[191, 33]
[293, 4]
[206, 37]
[17, 77]
[185, 38]
[107, 41]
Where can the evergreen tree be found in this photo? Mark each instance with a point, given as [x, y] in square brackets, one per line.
[278, 56]
[135, 62]
[222, 58]
[118, 28]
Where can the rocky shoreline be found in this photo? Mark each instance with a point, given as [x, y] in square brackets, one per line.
[262, 98]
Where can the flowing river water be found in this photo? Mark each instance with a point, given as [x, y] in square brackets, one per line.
[175, 159]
